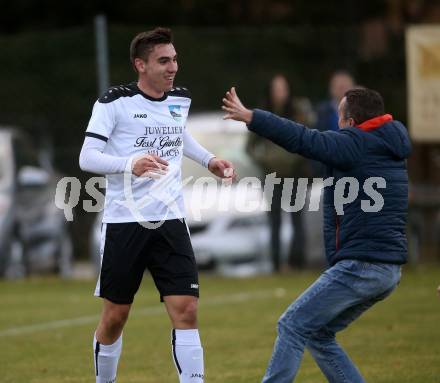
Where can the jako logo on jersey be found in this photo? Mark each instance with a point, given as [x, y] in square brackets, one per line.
[194, 286]
[140, 115]
[175, 112]
[196, 375]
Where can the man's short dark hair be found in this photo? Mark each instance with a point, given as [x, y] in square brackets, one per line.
[143, 43]
[363, 104]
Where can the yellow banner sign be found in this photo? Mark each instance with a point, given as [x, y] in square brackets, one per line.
[423, 72]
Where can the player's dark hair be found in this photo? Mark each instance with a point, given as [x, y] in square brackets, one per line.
[143, 43]
[363, 104]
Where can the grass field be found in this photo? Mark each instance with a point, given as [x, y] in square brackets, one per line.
[46, 328]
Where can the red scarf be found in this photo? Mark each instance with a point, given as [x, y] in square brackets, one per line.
[375, 122]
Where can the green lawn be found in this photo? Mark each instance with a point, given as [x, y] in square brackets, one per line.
[46, 328]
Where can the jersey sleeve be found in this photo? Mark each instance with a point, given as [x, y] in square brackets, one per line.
[102, 122]
[193, 150]
[93, 160]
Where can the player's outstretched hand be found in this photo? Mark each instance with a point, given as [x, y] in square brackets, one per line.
[222, 168]
[149, 165]
[438, 291]
[235, 109]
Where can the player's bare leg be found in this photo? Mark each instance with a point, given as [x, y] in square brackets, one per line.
[186, 346]
[107, 343]
[182, 310]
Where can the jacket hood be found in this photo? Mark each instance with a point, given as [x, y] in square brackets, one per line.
[396, 139]
[393, 133]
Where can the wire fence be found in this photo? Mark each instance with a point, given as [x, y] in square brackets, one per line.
[49, 80]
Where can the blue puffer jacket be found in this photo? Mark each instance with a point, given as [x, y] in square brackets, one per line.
[379, 151]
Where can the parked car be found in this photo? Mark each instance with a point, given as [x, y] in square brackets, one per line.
[228, 239]
[236, 241]
[34, 235]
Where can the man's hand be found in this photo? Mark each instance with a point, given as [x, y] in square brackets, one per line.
[438, 290]
[222, 169]
[235, 109]
[149, 165]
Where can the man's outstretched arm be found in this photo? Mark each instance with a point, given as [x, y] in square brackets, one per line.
[338, 149]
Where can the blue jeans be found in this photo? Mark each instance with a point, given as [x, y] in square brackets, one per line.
[339, 296]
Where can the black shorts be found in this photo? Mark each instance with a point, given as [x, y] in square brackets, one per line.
[128, 249]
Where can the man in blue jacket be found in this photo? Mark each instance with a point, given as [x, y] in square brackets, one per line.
[365, 242]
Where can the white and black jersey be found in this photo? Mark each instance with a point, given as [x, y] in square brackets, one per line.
[127, 123]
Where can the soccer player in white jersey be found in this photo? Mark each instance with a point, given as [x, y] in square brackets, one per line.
[136, 137]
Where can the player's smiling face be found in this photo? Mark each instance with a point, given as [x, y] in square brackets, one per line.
[159, 70]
